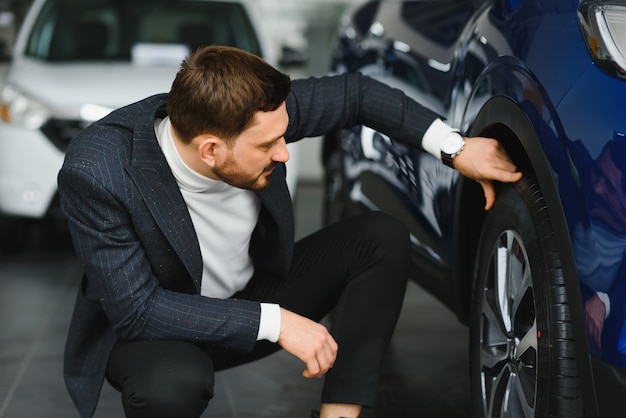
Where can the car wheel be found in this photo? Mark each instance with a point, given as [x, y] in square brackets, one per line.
[521, 338]
[335, 188]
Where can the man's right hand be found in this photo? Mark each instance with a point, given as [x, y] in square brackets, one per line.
[309, 341]
[485, 160]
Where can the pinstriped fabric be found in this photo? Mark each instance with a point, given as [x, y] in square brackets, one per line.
[319, 106]
[134, 236]
[142, 263]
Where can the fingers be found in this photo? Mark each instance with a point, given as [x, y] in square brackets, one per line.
[316, 368]
[595, 333]
[595, 312]
[485, 159]
[490, 194]
[489, 190]
[309, 341]
[502, 170]
[322, 359]
[591, 328]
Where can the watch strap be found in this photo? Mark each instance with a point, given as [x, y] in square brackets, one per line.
[446, 158]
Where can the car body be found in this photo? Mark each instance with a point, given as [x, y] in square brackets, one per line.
[539, 278]
[76, 60]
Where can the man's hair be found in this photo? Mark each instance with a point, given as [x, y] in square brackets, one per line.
[219, 89]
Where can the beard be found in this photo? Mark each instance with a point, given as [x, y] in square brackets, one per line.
[231, 173]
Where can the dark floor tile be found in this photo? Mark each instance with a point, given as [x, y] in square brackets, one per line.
[425, 369]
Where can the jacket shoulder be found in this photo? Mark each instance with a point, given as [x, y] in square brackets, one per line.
[113, 134]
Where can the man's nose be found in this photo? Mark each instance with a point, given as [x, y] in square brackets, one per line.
[282, 153]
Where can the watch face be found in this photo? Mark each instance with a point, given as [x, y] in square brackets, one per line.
[452, 143]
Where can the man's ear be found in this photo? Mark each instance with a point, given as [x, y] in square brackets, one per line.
[210, 148]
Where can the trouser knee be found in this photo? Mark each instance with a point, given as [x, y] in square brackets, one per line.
[387, 239]
[168, 394]
[162, 379]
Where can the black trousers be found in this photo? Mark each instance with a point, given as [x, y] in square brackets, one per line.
[356, 268]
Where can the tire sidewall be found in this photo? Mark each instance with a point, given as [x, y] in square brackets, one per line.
[516, 209]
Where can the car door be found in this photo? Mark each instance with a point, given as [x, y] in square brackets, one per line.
[413, 46]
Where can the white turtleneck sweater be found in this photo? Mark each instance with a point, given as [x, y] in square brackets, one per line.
[224, 218]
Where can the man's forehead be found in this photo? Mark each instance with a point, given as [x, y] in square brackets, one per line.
[272, 121]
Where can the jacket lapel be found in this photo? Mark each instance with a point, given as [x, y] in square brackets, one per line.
[272, 241]
[159, 190]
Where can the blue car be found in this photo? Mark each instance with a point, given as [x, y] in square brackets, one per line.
[540, 278]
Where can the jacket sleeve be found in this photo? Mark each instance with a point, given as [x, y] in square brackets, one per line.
[121, 279]
[317, 106]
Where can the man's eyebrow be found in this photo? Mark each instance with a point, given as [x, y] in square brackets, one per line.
[269, 141]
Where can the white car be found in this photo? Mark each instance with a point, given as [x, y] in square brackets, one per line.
[76, 60]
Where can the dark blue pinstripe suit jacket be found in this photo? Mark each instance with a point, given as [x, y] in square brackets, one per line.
[134, 236]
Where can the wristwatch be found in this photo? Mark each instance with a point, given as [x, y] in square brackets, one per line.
[451, 146]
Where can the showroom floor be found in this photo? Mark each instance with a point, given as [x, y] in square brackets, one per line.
[425, 373]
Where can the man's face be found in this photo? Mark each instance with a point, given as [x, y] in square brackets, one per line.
[251, 158]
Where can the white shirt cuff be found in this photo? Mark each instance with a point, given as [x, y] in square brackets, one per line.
[431, 141]
[607, 302]
[269, 325]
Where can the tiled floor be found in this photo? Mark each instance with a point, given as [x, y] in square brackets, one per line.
[425, 373]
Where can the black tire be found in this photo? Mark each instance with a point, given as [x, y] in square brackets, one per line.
[523, 360]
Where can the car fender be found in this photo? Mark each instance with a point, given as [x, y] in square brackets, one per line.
[519, 113]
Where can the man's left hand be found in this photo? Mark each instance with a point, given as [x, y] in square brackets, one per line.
[484, 160]
[595, 313]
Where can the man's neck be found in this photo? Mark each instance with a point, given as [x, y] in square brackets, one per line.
[190, 154]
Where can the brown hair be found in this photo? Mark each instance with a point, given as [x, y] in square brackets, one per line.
[219, 89]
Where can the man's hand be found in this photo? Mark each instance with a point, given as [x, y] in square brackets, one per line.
[595, 313]
[309, 341]
[484, 160]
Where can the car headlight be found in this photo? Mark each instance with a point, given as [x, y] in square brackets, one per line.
[18, 108]
[604, 30]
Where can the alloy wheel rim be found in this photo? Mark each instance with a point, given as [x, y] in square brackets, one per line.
[508, 332]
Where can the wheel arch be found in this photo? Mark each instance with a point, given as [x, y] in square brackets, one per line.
[502, 118]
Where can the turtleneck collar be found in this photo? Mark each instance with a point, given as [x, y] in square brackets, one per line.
[186, 177]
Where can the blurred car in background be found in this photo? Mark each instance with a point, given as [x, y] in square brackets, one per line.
[540, 279]
[76, 60]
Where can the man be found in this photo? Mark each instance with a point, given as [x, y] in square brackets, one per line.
[181, 216]
[600, 245]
